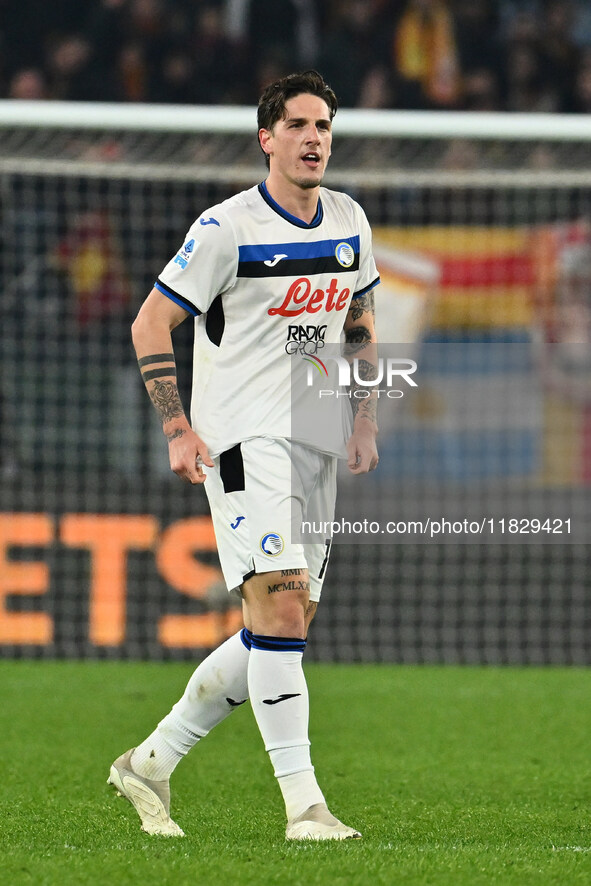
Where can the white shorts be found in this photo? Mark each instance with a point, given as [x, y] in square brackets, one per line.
[259, 493]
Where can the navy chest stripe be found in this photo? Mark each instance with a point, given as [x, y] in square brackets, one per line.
[297, 267]
[315, 249]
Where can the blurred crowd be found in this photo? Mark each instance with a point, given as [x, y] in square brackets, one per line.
[515, 55]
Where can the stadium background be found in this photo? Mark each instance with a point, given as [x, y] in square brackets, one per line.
[104, 555]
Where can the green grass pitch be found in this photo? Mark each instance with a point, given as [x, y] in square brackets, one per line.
[454, 776]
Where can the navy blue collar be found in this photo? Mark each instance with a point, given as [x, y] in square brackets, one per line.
[292, 219]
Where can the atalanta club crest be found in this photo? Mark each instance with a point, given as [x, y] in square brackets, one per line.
[345, 254]
[272, 544]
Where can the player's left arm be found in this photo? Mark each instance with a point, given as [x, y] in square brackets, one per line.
[361, 345]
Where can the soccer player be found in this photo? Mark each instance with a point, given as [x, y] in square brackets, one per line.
[281, 263]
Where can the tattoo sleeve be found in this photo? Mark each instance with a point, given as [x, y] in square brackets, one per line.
[165, 397]
[359, 340]
[359, 306]
[356, 339]
[163, 392]
[363, 399]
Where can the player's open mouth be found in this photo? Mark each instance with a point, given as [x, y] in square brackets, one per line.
[311, 159]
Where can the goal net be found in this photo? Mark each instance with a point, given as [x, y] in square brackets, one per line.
[479, 510]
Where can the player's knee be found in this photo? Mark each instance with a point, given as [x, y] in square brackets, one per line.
[286, 612]
[277, 604]
[292, 608]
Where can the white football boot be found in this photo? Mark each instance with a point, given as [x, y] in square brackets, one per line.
[151, 799]
[317, 823]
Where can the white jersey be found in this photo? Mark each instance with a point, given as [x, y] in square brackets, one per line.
[266, 289]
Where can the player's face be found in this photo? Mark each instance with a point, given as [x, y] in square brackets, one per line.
[299, 144]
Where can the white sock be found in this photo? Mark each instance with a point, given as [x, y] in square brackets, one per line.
[215, 689]
[155, 758]
[300, 791]
[279, 699]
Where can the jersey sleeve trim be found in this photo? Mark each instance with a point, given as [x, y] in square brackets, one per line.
[366, 288]
[174, 296]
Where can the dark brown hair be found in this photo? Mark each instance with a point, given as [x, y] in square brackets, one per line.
[273, 100]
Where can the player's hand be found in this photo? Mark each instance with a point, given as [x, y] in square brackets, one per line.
[361, 449]
[188, 453]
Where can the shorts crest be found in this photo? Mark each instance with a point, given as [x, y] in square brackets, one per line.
[272, 544]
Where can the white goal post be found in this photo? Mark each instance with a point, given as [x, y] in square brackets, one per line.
[240, 119]
[38, 121]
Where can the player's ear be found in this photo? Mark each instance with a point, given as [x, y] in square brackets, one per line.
[265, 137]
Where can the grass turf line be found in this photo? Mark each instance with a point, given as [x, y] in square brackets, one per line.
[460, 776]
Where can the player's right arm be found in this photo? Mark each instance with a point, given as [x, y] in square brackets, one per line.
[152, 340]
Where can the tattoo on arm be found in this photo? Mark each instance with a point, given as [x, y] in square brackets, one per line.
[366, 371]
[165, 397]
[362, 304]
[164, 394]
[152, 360]
[365, 407]
[163, 372]
[356, 339]
[155, 358]
[175, 434]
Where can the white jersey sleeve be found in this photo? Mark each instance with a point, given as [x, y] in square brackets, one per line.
[368, 272]
[205, 265]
